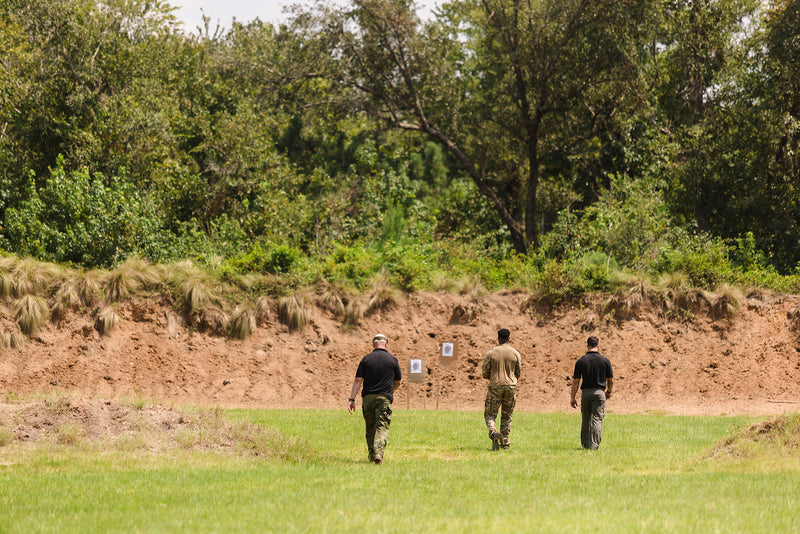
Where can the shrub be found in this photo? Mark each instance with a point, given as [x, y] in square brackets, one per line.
[350, 265]
[555, 283]
[273, 259]
[88, 220]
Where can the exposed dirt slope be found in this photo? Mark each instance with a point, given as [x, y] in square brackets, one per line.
[749, 364]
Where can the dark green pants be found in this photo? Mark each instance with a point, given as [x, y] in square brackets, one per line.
[377, 411]
[593, 409]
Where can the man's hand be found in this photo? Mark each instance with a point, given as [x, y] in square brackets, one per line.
[351, 405]
[573, 402]
[608, 393]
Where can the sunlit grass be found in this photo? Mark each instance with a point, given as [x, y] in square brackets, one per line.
[651, 474]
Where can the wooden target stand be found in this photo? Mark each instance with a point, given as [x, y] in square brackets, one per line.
[417, 371]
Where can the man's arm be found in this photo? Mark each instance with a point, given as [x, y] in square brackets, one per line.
[572, 400]
[486, 368]
[396, 385]
[351, 403]
[609, 387]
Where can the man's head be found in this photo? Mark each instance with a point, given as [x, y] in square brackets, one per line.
[502, 335]
[379, 341]
[592, 342]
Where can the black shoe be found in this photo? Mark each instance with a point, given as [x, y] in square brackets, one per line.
[377, 460]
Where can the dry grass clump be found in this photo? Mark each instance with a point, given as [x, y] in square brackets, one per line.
[242, 323]
[76, 292]
[634, 299]
[473, 287]
[293, 312]
[381, 296]
[263, 309]
[31, 277]
[196, 297]
[6, 287]
[469, 285]
[441, 281]
[330, 298]
[727, 303]
[107, 321]
[354, 311]
[694, 299]
[13, 340]
[129, 278]
[30, 312]
[213, 319]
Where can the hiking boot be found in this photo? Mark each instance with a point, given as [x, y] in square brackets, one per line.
[496, 439]
[378, 460]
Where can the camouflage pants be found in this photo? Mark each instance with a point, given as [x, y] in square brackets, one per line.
[377, 411]
[500, 399]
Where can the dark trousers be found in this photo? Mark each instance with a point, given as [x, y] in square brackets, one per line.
[593, 409]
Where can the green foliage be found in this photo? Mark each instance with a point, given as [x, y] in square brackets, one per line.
[629, 223]
[274, 259]
[649, 138]
[83, 219]
[705, 262]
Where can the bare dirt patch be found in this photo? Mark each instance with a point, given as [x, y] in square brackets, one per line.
[748, 363]
[134, 426]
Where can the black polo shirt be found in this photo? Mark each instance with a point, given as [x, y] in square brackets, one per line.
[593, 368]
[380, 370]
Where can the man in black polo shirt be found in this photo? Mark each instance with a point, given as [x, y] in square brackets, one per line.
[596, 379]
[379, 373]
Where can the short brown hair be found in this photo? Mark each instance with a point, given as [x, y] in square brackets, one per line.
[592, 342]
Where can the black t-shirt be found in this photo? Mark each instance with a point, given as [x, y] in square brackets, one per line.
[593, 368]
[380, 370]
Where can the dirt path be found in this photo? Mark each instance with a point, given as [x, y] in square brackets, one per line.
[747, 365]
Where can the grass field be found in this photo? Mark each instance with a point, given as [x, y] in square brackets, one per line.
[652, 474]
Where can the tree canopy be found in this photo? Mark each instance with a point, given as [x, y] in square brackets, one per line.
[506, 127]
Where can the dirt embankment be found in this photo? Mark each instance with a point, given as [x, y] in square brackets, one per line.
[748, 364]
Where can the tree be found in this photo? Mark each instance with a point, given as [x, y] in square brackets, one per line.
[509, 89]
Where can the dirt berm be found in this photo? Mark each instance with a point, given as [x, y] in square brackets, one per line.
[700, 363]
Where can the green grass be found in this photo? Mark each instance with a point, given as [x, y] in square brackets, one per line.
[651, 474]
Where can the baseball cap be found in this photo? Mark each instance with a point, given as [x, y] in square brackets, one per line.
[379, 337]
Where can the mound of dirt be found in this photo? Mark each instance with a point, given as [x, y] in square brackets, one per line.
[776, 434]
[133, 426]
[744, 363]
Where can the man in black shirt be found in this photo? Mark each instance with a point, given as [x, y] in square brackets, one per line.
[379, 373]
[596, 379]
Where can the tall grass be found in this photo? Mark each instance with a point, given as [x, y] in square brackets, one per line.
[31, 313]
